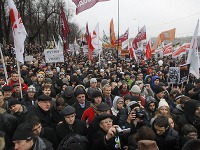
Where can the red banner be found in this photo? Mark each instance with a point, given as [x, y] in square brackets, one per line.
[140, 36]
[123, 38]
[180, 50]
[167, 49]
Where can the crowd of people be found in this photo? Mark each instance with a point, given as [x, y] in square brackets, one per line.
[78, 104]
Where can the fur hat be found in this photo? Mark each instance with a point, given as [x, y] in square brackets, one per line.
[163, 103]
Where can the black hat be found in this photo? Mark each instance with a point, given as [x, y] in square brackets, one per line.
[13, 102]
[104, 116]
[15, 84]
[191, 106]
[79, 91]
[158, 89]
[103, 107]
[127, 97]
[96, 93]
[68, 110]
[69, 91]
[7, 88]
[197, 81]
[44, 98]
[23, 132]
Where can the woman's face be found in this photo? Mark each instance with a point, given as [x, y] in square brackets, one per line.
[164, 110]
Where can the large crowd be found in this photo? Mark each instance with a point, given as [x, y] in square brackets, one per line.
[107, 105]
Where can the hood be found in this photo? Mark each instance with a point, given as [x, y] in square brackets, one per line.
[190, 107]
[115, 101]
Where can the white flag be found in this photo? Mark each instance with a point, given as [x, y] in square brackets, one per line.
[95, 40]
[19, 32]
[193, 55]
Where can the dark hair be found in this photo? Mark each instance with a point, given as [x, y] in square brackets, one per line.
[188, 128]
[161, 121]
[145, 133]
[192, 145]
[60, 102]
[32, 120]
[184, 99]
[45, 87]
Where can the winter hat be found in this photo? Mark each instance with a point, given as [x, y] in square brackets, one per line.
[69, 91]
[48, 80]
[79, 90]
[158, 89]
[135, 89]
[191, 106]
[93, 80]
[127, 97]
[132, 105]
[103, 107]
[65, 81]
[104, 116]
[7, 88]
[138, 82]
[147, 145]
[68, 110]
[31, 88]
[13, 102]
[104, 82]
[15, 84]
[162, 103]
[95, 93]
[135, 98]
[39, 75]
[116, 100]
[23, 132]
[44, 98]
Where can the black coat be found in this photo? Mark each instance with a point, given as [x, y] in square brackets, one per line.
[45, 117]
[79, 109]
[57, 116]
[64, 129]
[168, 141]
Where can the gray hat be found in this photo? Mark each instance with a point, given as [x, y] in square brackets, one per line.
[135, 89]
[93, 80]
[48, 80]
[104, 82]
[68, 110]
[69, 91]
[103, 107]
[31, 88]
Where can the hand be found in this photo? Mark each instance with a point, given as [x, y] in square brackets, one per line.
[125, 147]
[147, 86]
[111, 132]
[131, 117]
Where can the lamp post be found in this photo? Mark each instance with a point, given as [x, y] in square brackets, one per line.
[118, 35]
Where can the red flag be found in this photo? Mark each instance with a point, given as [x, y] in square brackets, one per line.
[112, 33]
[123, 38]
[180, 50]
[82, 5]
[148, 50]
[140, 36]
[90, 48]
[65, 29]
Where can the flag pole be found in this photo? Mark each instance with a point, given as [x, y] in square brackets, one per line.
[20, 85]
[4, 66]
[118, 35]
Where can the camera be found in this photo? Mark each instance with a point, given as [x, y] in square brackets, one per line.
[139, 114]
[122, 131]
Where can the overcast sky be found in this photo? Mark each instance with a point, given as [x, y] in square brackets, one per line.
[157, 15]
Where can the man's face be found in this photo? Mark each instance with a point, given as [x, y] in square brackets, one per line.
[33, 78]
[31, 94]
[37, 129]
[197, 112]
[81, 98]
[140, 76]
[107, 91]
[152, 106]
[23, 144]
[97, 100]
[16, 108]
[161, 95]
[156, 82]
[93, 84]
[127, 77]
[7, 94]
[106, 124]
[47, 91]
[159, 130]
[45, 105]
[17, 89]
[2, 82]
[15, 77]
[120, 105]
[70, 119]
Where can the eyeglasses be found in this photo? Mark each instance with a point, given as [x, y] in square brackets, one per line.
[107, 121]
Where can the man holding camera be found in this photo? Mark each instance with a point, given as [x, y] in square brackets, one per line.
[107, 138]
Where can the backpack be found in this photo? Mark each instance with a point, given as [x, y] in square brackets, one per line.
[74, 140]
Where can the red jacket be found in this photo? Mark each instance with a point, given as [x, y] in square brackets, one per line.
[89, 115]
[24, 86]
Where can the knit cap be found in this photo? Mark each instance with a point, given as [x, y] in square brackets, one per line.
[162, 103]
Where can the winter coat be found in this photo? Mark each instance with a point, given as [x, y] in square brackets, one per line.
[64, 129]
[45, 117]
[88, 115]
[168, 141]
[79, 109]
[24, 86]
[42, 144]
[21, 115]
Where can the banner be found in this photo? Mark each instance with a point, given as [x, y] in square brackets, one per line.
[179, 51]
[174, 75]
[183, 73]
[122, 38]
[82, 5]
[53, 56]
[28, 58]
[140, 36]
[167, 49]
